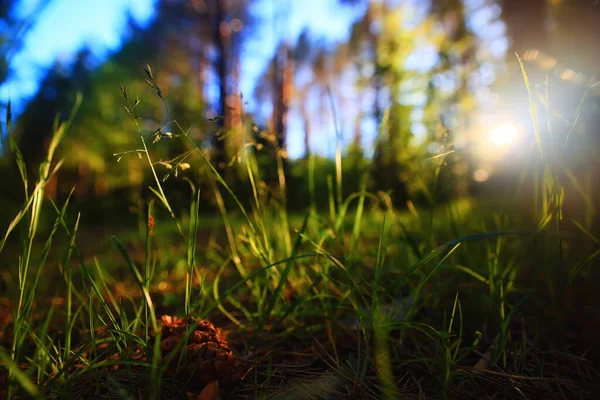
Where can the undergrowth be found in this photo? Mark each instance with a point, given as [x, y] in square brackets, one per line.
[456, 299]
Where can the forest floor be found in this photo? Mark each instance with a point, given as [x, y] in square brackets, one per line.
[396, 308]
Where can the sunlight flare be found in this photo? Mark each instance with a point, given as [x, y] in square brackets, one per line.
[505, 134]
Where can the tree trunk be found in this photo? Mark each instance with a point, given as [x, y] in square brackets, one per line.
[306, 120]
[221, 39]
[283, 85]
[357, 137]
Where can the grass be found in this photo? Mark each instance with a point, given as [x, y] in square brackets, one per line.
[467, 298]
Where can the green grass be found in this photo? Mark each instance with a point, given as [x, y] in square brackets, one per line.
[465, 298]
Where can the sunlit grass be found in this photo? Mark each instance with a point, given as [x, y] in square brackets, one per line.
[360, 299]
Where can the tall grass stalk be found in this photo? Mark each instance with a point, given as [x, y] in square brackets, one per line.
[33, 207]
[147, 264]
[130, 109]
[338, 266]
[191, 253]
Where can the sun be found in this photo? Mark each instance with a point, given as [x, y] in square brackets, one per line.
[504, 135]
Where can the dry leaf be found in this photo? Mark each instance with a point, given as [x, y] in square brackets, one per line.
[484, 361]
[210, 392]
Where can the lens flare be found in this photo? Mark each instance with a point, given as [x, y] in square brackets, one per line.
[481, 175]
[504, 135]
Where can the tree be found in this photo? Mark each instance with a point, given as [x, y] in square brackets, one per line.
[101, 128]
[12, 32]
[190, 46]
[221, 40]
[13, 29]
[225, 18]
[449, 111]
[283, 85]
[54, 100]
[364, 44]
[302, 56]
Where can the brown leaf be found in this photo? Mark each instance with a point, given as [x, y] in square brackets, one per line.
[210, 392]
[484, 361]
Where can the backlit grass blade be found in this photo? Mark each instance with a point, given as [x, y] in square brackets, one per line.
[16, 152]
[284, 274]
[149, 231]
[44, 256]
[28, 204]
[191, 250]
[580, 265]
[579, 108]
[155, 382]
[255, 274]
[20, 376]
[532, 109]
[68, 272]
[302, 299]
[499, 348]
[359, 212]
[138, 279]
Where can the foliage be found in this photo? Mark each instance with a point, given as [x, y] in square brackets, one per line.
[369, 275]
[436, 291]
[12, 32]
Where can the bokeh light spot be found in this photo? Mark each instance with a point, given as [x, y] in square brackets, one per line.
[505, 134]
[481, 175]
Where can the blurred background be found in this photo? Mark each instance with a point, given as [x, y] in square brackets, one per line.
[428, 96]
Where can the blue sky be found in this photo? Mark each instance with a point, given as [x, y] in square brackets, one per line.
[324, 19]
[65, 26]
[326, 23]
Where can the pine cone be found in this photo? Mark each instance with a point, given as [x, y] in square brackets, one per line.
[206, 357]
